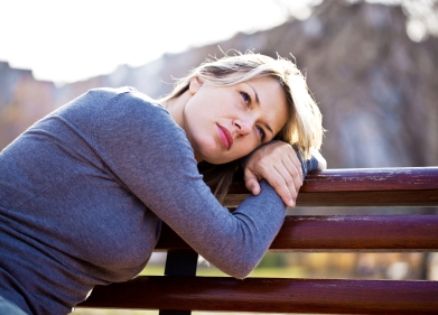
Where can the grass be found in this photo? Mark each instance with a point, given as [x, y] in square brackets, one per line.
[286, 272]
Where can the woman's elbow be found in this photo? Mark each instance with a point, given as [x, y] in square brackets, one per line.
[241, 269]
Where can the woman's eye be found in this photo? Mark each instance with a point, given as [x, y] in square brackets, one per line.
[245, 97]
[262, 133]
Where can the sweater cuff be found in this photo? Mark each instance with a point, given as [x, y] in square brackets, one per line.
[308, 165]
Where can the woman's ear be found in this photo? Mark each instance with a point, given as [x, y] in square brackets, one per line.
[195, 84]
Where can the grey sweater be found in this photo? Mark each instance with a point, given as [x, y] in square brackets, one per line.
[83, 193]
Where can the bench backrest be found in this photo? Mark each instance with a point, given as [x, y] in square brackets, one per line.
[179, 291]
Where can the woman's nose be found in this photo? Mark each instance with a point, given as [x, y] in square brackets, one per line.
[243, 126]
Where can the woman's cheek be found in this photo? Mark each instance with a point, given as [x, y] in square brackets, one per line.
[244, 150]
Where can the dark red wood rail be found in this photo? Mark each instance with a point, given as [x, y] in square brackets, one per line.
[363, 187]
[272, 295]
[371, 232]
[340, 187]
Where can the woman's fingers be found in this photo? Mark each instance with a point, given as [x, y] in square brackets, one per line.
[293, 164]
[279, 165]
[290, 169]
[294, 175]
[292, 180]
[251, 181]
[277, 179]
[281, 179]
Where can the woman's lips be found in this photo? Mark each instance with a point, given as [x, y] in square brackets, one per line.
[225, 136]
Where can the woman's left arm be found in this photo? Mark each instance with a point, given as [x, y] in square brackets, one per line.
[279, 164]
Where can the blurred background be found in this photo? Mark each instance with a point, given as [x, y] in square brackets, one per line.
[371, 66]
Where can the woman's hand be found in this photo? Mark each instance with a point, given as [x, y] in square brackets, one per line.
[278, 164]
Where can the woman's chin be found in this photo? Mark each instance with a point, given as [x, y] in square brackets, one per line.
[210, 151]
[214, 157]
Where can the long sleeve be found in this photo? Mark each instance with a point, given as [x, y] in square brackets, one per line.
[151, 156]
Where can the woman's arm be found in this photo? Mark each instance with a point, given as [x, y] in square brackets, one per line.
[150, 156]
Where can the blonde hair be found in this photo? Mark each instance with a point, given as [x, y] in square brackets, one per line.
[303, 129]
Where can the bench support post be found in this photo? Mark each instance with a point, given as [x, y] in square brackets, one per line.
[180, 263]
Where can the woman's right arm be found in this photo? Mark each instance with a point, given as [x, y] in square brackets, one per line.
[151, 156]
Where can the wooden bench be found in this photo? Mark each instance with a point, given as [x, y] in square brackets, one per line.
[179, 291]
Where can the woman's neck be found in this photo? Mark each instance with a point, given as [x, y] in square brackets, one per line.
[175, 107]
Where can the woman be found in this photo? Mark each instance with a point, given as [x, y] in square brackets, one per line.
[84, 191]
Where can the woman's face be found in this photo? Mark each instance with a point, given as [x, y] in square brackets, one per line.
[228, 122]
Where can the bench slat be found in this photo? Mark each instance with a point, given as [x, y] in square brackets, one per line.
[362, 187]
[345, 232]
[271, 295]
[374, 179]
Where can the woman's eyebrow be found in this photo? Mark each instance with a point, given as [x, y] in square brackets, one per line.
[257, 100]
[255, 93]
